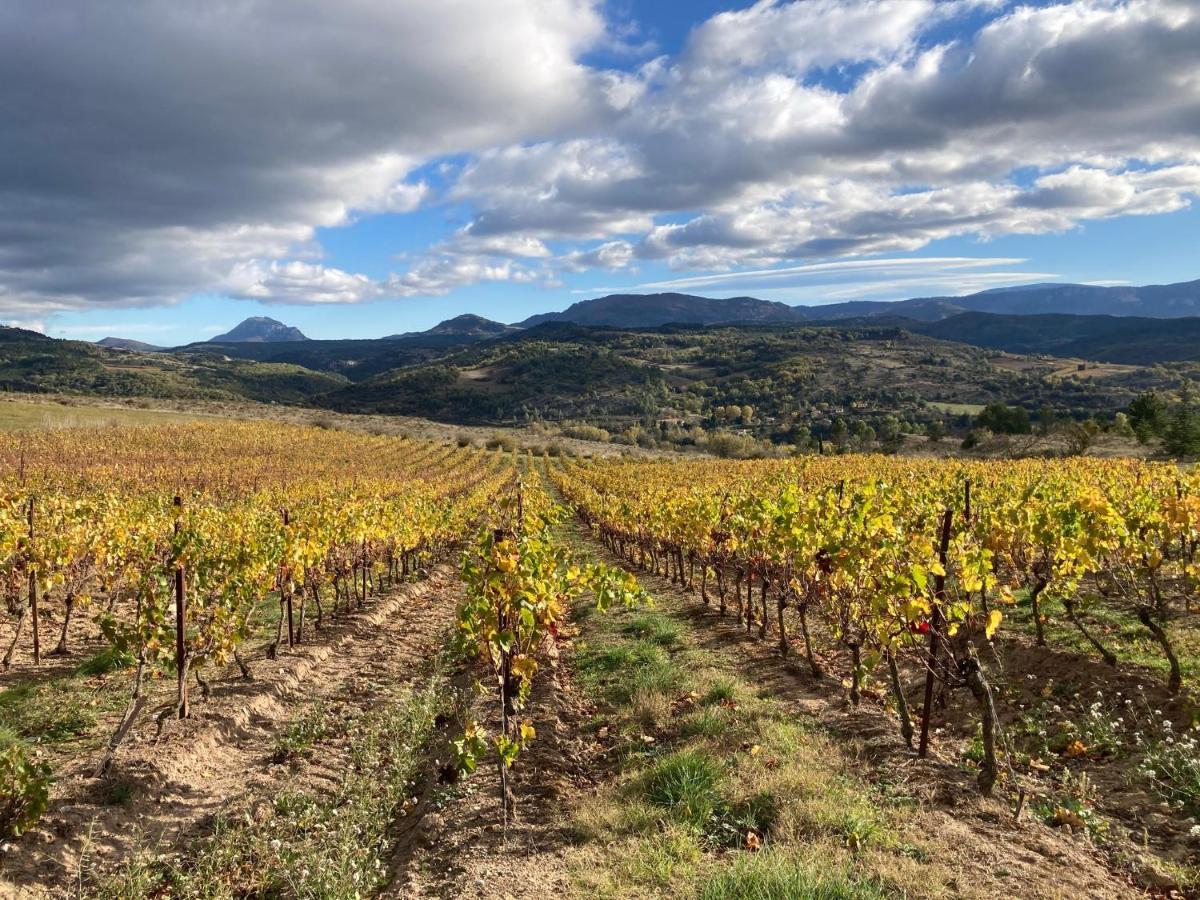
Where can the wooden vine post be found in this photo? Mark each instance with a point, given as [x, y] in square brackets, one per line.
[180, 625]
[288, 591]
[937, 621]
[33, 594]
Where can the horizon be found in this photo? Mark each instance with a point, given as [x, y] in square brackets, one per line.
[519, 323]
[806, 153]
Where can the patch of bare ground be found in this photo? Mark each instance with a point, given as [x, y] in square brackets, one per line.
[172, 784]
[460, 849]
[990, 853]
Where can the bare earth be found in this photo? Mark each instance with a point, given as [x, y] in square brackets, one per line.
[221, 756]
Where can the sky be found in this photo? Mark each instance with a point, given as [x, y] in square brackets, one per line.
[368, 167]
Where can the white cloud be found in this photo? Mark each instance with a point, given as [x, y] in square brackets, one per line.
[770, 163]
[153, 151]
[149, 151]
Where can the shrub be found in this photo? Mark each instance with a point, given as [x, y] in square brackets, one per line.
[584, 432]
[501, 442]
[24, 786]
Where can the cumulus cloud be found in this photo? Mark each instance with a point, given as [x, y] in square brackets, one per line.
[824, 128]
[151, 151]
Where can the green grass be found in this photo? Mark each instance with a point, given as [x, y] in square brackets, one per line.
[717, 770]
[957, 409]
[687, 786]
[780, 876]
[49, 713]
[623, 671]
[1116, 629]
[654, 629]
[105, 661]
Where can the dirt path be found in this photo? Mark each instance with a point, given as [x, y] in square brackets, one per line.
[991, 854]
[459, 849]
[174, 783]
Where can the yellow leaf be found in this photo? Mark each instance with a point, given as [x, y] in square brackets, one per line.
[993, 623]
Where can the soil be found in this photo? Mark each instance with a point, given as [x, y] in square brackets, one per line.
[996, 855]
[460, 848]
[176, 781]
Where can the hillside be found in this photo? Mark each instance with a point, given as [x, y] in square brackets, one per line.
[793, 378]
[33, 362]
[1129, 340]
[116, 343]
[467, 325]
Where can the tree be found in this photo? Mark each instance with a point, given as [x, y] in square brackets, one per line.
[1121, 426]
[1148, 416]
[1046, 419]
[839, 432]
[1002, 419]
[1182, 436]
[1080, 436]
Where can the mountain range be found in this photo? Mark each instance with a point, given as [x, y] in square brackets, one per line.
[621, 360]
[651, 310]
[1169, 301]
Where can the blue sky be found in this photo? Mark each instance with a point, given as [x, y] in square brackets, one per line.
[505, 159]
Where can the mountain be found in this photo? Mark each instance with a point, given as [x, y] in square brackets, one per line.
[467, 325]
[259, 330]
[653, 310]
[116, 343]
[1131, 340]
[1163, 301]
[1155, 301]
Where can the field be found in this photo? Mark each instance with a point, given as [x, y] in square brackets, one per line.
[287, 659]
[27, 415]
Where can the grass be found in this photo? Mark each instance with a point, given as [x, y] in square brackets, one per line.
[310, 844]
[105, 661]
[50, 713]
[654, 629]
[687, 786]
[1119, 631]
[23, 415]
[728, 793]
[779, 876]
[957, 409]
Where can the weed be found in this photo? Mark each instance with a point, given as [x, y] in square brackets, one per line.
[110, 659]
[297, 740]
[777, 876]
[686, 784]
[49, 713]
[656, 629]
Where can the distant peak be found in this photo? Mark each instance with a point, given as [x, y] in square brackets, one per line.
[260, 329]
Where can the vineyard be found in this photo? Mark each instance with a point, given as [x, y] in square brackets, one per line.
[387, 633]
